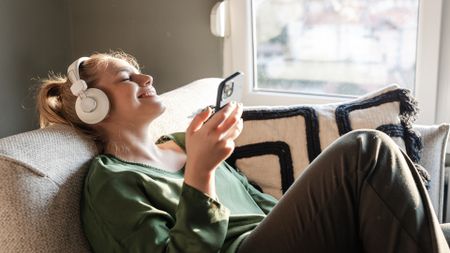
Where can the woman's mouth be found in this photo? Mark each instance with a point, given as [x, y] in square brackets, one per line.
[150, 92]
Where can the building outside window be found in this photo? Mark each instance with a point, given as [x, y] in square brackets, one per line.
[335, 47]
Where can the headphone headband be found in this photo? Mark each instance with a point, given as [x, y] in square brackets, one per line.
[78, 85]
[73, 70]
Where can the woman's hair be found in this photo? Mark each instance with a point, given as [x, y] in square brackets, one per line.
[56, 103]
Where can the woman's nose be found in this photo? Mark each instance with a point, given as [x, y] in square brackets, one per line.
[146, 80]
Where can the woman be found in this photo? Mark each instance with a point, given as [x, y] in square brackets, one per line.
[361, 194]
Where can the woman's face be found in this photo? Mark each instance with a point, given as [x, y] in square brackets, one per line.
[131, 93]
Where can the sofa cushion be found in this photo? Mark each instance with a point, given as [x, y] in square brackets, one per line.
[434, 139]
[299, 133]
[41, 175]
[37, 214]
[55, 152]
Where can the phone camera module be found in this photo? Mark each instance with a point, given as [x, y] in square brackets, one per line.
[228, 89]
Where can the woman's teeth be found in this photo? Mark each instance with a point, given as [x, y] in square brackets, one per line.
[147, 94]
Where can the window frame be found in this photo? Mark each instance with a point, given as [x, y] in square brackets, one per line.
[239, 54]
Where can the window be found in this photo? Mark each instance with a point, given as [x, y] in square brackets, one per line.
[318, 51]
[334, 47]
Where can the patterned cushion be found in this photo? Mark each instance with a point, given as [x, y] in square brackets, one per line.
[278, 143]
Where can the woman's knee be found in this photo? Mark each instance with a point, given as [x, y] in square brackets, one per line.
[367, 144]
[367, 138]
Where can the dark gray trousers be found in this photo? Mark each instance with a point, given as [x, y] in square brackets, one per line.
[362, 194]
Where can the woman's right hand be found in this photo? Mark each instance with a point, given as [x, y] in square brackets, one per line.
[209, 143]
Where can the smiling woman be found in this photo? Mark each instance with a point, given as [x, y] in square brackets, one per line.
[56, 102]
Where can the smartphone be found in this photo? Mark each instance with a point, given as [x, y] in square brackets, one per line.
[230, 89]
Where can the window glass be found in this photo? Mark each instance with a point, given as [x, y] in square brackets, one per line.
[334, 47]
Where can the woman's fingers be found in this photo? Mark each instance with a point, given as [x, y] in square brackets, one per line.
[231, 120]
[223, 126]
[235, 131]
[199, 119]
[217, 119]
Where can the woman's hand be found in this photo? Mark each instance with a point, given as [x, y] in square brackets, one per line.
[209, 143]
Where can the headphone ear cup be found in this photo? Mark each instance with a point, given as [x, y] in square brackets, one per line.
[94, 107]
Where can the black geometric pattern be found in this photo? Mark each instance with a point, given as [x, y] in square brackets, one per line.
[413, 142]
[311, 124]
[278, 148]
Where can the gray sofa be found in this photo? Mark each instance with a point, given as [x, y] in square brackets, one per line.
[41, 175]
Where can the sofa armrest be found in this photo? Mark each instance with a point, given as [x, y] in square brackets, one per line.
[434, 138]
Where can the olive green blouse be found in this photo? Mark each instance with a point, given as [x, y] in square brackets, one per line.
[131, 207]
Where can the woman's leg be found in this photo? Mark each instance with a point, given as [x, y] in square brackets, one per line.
[362, 194]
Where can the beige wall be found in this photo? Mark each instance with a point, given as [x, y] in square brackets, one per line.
[170, 38]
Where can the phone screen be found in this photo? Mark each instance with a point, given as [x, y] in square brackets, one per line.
[230, 89]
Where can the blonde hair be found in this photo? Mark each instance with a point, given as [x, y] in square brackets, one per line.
[56, 103]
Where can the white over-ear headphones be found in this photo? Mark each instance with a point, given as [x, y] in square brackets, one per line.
[92, 104]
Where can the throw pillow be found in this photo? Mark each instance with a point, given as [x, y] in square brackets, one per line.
[278, 142]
